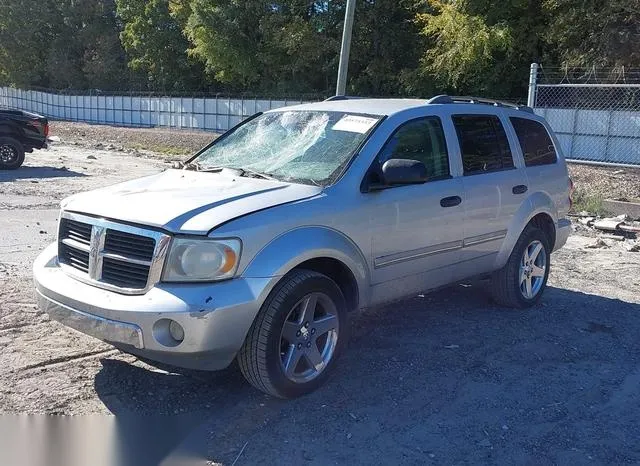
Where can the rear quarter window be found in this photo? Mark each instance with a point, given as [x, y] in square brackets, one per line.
[535, 142]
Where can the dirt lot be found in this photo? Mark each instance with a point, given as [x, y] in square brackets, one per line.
[444, 378]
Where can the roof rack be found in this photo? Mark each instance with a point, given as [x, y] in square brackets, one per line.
[447, 99]
[341, 97]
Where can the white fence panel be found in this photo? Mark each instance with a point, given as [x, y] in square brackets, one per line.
[594, 122]
[211, 113]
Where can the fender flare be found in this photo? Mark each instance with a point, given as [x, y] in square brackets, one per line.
[537, 203]
[292, 248]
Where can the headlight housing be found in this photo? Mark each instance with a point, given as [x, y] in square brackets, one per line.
[201, 260]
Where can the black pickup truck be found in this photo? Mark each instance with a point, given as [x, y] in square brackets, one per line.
[20, 132]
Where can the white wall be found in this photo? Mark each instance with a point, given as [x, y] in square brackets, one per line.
[596, 135]
[214, 114]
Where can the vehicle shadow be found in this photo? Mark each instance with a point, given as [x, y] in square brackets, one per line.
[30, 172]
[445, 377]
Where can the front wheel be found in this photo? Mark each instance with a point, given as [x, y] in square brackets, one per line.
[297, 336]
[11, 153]
[521, 282]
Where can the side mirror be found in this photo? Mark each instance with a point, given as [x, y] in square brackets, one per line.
[401, 171]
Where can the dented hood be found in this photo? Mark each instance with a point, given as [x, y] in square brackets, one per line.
[183, 201]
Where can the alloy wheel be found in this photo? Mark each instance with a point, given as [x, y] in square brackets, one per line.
[8, 154]
[309, 337]
[533, 267]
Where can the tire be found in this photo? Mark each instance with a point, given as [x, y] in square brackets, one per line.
[507, 285]
[11, 153]
[278, 337]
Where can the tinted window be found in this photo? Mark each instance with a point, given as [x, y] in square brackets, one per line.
[422, 140]
[535, 142]
[483, 143]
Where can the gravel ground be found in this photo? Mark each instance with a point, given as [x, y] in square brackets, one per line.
[162, 141]
[442, 378]
[606, 182]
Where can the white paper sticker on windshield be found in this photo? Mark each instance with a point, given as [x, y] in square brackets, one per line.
[354, 124]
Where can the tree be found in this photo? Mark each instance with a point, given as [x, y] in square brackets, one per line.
[399, 47]
[387, 48]
[595, 33]
[65, 44]
[465, 49]
[156, 46]
[26, 32]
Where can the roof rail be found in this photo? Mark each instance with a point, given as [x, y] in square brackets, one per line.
[446, 99]
[341, 97]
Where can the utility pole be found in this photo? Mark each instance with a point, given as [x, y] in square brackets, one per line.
[346, 48]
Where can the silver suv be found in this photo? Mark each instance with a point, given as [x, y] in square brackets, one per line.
[259, 246]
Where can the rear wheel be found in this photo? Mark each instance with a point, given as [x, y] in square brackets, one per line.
[521, 282]
[11, 153]
[297, 336]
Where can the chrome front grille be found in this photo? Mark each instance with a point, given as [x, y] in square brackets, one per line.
[73, 257]
[76, 231]
[125, 274]
[126, 244]
[111, 255]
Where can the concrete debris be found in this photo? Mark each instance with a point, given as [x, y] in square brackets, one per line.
[613, 237]
[634, 228]
[599, 243]
[632, 247]
[620, 229]
[609, 224]
[623, 205]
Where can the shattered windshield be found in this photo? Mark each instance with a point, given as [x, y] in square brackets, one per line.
[297, 146]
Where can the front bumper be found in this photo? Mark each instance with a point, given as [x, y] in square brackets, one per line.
[215, 317]
[563, 230]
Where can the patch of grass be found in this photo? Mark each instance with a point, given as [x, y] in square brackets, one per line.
[162, 149]
[583, 201]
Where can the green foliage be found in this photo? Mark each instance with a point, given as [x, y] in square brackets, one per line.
[64, 44]
[464, 46]
[586, 202]
[596, 33]
[26, 30]
[399, 47]
[156, 46]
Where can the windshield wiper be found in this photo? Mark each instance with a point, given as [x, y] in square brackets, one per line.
[254, 174]
[187, 165]
[196, 166]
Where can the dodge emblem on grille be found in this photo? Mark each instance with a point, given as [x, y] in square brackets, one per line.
[96, 252]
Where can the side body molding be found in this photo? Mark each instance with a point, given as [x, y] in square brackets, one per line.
[296, 246]
[535, 204]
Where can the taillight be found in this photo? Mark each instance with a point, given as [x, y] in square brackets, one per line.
[39, 126]
[571, 190]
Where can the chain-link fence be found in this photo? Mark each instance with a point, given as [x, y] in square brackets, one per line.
[594, 112]
[213, 113]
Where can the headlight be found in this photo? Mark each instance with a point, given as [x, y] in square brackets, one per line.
[192, 260]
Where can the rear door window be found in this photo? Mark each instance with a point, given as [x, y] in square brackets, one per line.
[483, 143]
[537, 146]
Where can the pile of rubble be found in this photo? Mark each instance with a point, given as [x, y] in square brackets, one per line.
[610, 231]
